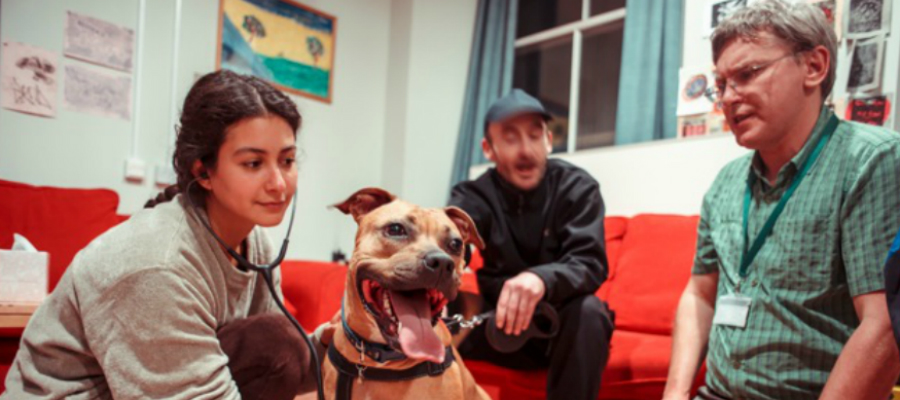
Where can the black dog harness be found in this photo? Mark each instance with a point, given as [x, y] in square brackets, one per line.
[380, 353]
[348, 370]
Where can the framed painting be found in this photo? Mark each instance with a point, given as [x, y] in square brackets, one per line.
[281, 41]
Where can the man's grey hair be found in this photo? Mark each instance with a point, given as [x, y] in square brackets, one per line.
[801, 25]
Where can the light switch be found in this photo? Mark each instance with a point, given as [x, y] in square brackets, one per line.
[135, 170]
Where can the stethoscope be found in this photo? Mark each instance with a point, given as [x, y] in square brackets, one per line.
[266, 272]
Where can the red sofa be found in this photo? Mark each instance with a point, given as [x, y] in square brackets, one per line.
[649, 255]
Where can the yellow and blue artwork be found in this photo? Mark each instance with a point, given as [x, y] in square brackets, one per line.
[281, 41]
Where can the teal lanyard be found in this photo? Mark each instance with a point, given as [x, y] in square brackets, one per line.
[748, 255]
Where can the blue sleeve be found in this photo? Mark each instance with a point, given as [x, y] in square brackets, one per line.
[892, 286]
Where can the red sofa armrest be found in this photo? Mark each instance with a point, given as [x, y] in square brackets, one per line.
[60, 221]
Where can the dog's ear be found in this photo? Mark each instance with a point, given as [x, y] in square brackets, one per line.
[465, 225]
[364, 201]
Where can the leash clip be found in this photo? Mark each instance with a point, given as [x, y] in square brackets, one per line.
[362, 352]
[457, 319]
[360, 368]
[475, 321]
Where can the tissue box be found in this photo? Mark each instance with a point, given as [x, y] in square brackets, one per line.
[23, 276]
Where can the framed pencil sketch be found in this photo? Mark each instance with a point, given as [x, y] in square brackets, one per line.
[865, 66]
[866, 18]
[718, 10]
[284, 42]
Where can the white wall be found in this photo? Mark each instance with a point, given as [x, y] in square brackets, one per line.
[74, 149]
[664, 177]
[399, 79]
[425, 98]
[397, 97]
[341, 141]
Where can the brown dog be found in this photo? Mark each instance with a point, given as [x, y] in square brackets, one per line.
[405, 268]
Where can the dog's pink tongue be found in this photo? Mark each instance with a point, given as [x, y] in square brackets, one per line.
[417, 337]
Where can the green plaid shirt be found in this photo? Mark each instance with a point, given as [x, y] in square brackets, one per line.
[828, 246]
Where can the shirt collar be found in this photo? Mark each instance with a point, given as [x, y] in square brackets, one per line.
[756, 165]
[517, 198]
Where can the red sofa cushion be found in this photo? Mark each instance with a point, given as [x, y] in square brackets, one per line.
[637, 369]
[57, 220]
[653, 268]
[314, 289]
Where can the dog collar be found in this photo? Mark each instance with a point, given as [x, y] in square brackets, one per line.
[347, 370]
[378, 352]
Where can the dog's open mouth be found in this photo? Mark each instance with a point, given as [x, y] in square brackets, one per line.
[407, 318]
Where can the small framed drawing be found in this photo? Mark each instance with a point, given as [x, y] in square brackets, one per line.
[865, 66]
[866, 18]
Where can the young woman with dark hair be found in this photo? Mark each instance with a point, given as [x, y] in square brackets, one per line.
[156, 307]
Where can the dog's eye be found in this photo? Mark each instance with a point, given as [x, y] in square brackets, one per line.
[455, 246]
[395, 230]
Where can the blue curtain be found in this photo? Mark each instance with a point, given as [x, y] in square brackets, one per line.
[490, 76]
[648, 84]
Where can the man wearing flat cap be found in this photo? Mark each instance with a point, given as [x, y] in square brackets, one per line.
[542, 222]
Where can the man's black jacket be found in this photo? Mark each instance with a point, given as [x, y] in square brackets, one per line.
[555, 231]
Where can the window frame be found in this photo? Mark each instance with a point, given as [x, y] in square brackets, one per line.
[576, 29]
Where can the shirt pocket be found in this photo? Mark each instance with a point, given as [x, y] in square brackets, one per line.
[726, 238]
[797, 256]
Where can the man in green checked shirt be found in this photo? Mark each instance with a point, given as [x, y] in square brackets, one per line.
[786, 298]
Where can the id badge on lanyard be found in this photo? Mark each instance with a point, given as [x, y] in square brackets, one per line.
[732, 310]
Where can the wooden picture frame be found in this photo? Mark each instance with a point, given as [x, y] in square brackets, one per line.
[287, 44]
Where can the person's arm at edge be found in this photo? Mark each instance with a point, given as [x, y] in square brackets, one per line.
[696, 308]
[693, 321]
[869, 363]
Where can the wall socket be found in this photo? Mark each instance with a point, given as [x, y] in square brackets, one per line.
[135, 170]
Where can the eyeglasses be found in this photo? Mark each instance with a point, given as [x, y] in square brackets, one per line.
[744, 77]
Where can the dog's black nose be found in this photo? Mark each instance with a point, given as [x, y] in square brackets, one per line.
[438, 260]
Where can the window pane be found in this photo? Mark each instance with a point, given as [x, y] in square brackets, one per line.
[602, 6]
[539, 15]
[544, 71]
[601, 57]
